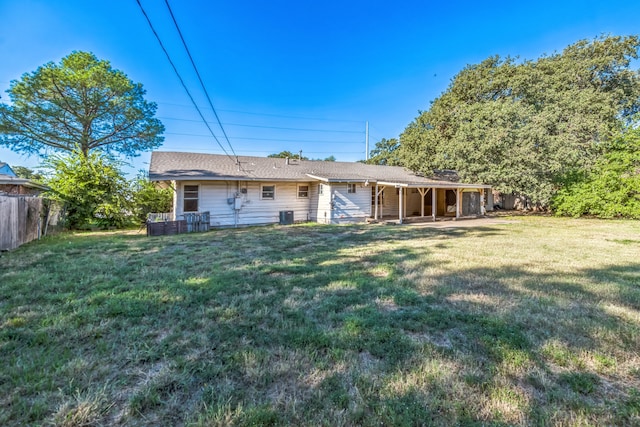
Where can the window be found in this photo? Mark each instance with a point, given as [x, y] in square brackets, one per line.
[303, 191]
[268, 192]
[351, 188]
[321, 189]
[190, 198]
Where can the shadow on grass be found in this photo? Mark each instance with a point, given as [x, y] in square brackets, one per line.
[303, 325]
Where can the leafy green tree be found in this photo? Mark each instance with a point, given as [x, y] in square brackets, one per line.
[147, 197]
[91, 187]
[385, 152]
[284, 154]
[523, 126]
[331, 158]
[80, 104]
[27, 173]
[611, 189]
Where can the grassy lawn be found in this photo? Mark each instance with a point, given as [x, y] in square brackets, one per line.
[532, 322]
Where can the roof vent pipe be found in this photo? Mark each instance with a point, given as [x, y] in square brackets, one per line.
[286, 161]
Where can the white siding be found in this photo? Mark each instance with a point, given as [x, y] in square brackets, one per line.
[218, 197]
[324, 215]
[334, 206]
[257, 211]
[350, 207]
[313, 202]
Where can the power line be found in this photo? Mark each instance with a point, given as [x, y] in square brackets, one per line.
[204, 150]
[184, 43]
[184, 86]
[321, 119]
[296, 129]
[270, 139]
[271, 127]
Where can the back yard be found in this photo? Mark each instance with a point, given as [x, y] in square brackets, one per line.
[532, 322]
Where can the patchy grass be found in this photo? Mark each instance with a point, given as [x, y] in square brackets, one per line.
[531, 322]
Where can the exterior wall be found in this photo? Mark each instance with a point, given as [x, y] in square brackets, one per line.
[350, 207]
[389, 205]
[324, 213]
[215, 197]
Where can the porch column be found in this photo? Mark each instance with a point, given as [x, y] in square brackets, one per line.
[375, 201]
[400, 204]
[422, 193]
[458, 204]
[434, 207]
[404, 206]
[483, 210]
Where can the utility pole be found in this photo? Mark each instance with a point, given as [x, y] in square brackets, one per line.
[366, 139]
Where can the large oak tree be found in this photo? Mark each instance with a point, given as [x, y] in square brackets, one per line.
[523, 126]
[80, 104]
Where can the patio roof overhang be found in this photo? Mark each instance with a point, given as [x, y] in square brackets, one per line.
[432, 184]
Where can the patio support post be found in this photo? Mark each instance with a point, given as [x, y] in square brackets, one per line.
[422, 193]
[375, 198]
[483, 210]
[434, 207]
[400, 192]
[404, 206]
[458, 202]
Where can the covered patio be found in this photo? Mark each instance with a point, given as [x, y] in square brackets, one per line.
[435, 201]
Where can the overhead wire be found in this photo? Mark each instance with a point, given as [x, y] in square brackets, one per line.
[270, 139]
[221, 125]
[253, 113]
[184, 86]
[186, 48]
[272, 127]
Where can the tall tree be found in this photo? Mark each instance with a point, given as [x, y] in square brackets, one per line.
[80, 104]
[385, 152]
[522, 126]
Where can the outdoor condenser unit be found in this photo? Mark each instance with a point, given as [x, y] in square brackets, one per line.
[286, 217]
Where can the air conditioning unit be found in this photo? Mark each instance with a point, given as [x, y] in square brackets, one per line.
[286, 217]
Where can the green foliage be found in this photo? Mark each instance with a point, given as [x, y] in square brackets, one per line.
[523, 126]
[27, 173]
[148, 197]
[92, 189]
[284, 154]
[385, 152]
[611, 189]
[81, 103]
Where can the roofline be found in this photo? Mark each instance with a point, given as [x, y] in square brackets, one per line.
[228, 178]
[433, 184]
[24, 182]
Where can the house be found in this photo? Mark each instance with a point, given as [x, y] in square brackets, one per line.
[260, 190]
[11, 184]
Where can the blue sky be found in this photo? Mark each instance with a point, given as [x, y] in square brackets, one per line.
[294, 75]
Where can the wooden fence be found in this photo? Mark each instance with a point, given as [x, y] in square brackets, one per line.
[25, 218]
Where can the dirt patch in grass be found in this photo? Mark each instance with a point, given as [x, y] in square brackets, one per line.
[534, 321]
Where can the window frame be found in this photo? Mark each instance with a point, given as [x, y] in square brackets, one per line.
[262, 192]
[299, 191]
[190, 192]
[321, 189]
[351, 188]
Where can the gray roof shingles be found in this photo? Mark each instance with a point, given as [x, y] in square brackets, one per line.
[167, 165]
